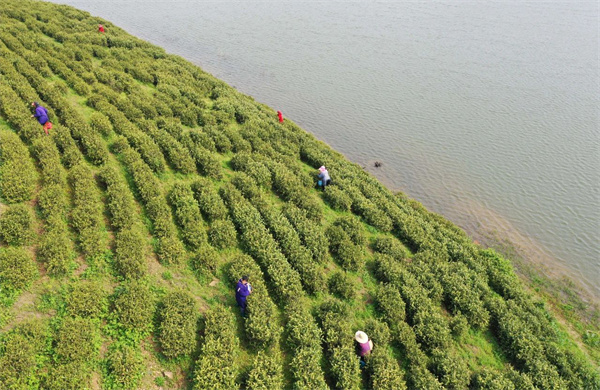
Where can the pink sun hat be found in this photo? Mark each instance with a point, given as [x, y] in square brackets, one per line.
[322, 169]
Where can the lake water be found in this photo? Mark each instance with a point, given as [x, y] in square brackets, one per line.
[487, 113]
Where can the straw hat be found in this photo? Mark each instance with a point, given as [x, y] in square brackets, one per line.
[322, 169]
[361, 337]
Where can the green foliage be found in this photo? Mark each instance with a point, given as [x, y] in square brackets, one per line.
[56, 250]
[349, 255]
[304, 339]
[177, 329]
[389, 246]
[100, 123]
[17, 173]
[298, 256]
[261, 245]
[459, 326]
[310, 232]
[206, 259]
[222, 234]
[188, 215]
[452, 372]
[76, 342]
[16, 225]
[129, 253]
[87, 299]
[377, 331]
[266, 372]
[19, 355]
[390, 304]
[134, 306]
[125, 366]
[216, 366]
[208, 199]
[170, 250]
[384, 371]
[342, 285]
[86, 216]
[17, 269]
[353, 228]
[488, 379]
[337, 198]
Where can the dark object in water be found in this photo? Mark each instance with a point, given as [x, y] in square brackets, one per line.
[378, 164]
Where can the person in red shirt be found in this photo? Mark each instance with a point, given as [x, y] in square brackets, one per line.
[101, 28]
[280, 116]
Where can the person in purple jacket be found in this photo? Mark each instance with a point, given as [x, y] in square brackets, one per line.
[242, 290]
[365, 346]
[41, 114]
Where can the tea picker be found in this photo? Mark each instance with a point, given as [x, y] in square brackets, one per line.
[242, 290]
[41, 114]
[365, 346]
[324, 179]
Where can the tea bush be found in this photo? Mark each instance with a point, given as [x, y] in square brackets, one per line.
[222, 234]
[266, 372]
[342, 285]
[19, 355]
[206, 259]
[125, 366]
[100, 124]
[311, 233]
[337, 198]
[187, 215]
[17, 173]
[86, 216]
[16, 225]
[304, 339]
[353, 228]
[344, 366]
[129, 251]
[216, 366]
[17, 268]
[261, 245]
[384, 372]
[298, 256]
[76, 341]
[178, 156]
[134, 306]
[177, 329]
[208, 199]
[170, 250]
[390, 304]
[87, 299]
[56, 250]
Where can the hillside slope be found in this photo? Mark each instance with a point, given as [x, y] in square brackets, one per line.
[124, 231]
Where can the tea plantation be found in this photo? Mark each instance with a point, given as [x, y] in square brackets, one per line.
[124, 231]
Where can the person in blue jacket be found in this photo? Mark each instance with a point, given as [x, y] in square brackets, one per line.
[242, 290]
[41, 114]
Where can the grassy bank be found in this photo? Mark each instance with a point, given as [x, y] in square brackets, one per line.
[124, 232]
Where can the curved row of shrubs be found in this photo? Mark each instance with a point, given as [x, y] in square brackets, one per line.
[129, 243]
[216, 367]
[170, 250]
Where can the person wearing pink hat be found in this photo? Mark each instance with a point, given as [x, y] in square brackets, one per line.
[324, 179]
[364, 346]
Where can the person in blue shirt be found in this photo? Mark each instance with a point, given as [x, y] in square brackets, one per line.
[242, 291]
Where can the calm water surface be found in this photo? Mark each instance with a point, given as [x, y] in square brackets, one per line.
[485, 112]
